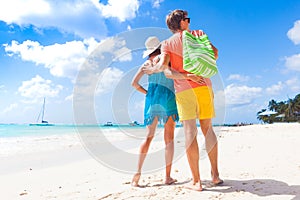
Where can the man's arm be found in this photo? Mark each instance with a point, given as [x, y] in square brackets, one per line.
[215, 51]
[171, 74]
[163, 65]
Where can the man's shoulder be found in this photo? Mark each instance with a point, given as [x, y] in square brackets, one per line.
[171, 39]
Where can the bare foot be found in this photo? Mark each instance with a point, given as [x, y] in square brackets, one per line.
[135, 180]
[194, 186]
[217, 181]
[170, 181]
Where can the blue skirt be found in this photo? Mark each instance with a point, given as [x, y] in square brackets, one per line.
[160, 100]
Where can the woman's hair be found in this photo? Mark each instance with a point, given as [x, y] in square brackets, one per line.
[154, 53]
[174, 18]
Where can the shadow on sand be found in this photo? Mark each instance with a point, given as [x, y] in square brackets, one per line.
[259, 187]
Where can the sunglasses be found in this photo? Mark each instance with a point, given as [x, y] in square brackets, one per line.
[188, 19]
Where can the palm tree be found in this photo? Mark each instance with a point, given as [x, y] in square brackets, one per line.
[262, 118]
[290, 109]
[296, 108]
[273, 105]
[282, 106]
[297, 102]
[293, 108]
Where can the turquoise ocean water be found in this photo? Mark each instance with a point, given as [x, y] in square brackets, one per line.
[23, 130]
[18, 139]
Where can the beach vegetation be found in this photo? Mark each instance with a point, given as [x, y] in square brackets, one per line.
[282, 111]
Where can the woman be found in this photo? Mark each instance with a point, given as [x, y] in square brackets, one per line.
[160, 105]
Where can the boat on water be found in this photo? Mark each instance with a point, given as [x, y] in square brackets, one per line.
[134, 123]
[41, 114]
[108, 124]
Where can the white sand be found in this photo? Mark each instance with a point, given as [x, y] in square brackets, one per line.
[256, 162]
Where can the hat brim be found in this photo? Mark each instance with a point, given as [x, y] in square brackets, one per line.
[148, 52]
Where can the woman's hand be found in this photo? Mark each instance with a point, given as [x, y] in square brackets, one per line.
[156, 59]
[147, 67]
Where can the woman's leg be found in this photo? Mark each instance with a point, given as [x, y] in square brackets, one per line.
[144, 150]
[169, 149]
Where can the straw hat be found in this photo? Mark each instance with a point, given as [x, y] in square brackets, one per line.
[151, 44]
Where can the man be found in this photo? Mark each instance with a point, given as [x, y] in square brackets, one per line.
[194, 98]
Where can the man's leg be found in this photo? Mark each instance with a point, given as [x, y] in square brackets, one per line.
[192, 152]
[211, 144]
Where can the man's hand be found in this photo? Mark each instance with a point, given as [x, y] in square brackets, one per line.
[196, 78]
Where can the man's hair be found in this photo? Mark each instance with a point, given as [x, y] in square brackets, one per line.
[174, 18]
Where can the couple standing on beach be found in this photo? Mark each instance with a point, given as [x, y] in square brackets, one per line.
[194, 100]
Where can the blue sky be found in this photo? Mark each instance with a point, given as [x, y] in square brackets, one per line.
[45, 45]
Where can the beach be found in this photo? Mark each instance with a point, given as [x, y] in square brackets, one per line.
[259, 161]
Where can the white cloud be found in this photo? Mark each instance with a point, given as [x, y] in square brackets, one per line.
[156, 3]
[90, 84]
[117, 47]
[109, 78]
[294, 33]
[238, 77]
[69, 98]
[97, 70]
[113, 48]
[293, 62]
[289, 85]
[293, 84]
[275, 89]
[241, 95]
[219, 99]
[139, 106]
[2, 88]
[10, 108]
[15, 11]
[122, 10]
[38, 87]
[63, 60]
[79, 17]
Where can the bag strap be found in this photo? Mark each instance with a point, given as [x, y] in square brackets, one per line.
[197, 33]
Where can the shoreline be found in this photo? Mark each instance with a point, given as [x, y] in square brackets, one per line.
[256, 162]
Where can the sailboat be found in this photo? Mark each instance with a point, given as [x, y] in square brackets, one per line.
[43, 122]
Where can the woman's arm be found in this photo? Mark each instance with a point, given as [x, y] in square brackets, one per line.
[160, 66]
[135, 81]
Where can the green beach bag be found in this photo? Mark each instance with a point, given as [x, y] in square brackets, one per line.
[198, 55]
